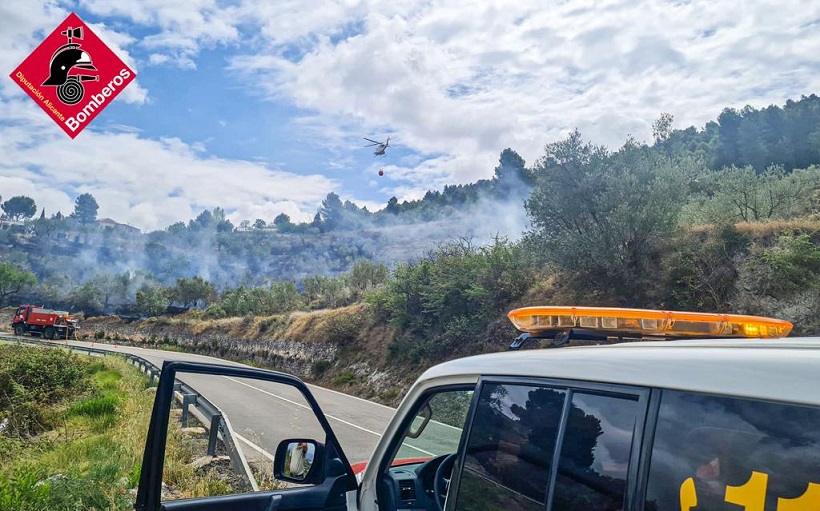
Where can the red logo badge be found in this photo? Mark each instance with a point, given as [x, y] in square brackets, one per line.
[73, 75]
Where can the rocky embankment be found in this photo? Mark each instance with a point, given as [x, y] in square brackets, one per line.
[343, 348]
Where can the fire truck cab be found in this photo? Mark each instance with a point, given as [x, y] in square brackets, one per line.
[47, 323]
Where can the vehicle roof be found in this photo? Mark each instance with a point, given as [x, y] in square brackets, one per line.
[785, 370]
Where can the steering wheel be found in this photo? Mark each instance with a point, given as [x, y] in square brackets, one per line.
[441, 483]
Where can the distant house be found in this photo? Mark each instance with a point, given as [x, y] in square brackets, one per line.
[7, 223]
[107, 223]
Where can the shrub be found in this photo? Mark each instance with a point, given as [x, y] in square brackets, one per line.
[320, 367]
[792, 265]
[701, 269]
[344, 378]
[33, 378]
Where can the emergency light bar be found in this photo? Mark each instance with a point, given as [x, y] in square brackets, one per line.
[645, 323]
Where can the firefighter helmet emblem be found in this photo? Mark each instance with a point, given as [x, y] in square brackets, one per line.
[68, 69]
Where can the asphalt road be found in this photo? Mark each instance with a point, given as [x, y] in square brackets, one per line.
[264, 413]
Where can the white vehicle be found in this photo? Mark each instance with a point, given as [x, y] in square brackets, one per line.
[724, 417]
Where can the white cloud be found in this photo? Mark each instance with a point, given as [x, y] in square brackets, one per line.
[178, 29]
[158, 59]
[466, 80]
[458, 80]
[147, 183]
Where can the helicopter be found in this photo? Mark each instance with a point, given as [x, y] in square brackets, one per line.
[381, 146]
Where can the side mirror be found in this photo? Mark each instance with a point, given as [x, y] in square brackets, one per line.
[418, 426]
[299, 460]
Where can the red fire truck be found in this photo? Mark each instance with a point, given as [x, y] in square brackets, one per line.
[49, 324]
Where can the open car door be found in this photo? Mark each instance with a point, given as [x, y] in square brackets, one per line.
[304, 473]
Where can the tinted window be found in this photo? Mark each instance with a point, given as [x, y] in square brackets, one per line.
[706, 447]
[595, 453]
[510, 449]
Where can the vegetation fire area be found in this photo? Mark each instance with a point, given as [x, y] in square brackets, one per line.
[697, 220]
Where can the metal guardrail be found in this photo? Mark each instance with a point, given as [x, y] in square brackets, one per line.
[208, 414]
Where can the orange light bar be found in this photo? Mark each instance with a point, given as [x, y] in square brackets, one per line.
[647, 322]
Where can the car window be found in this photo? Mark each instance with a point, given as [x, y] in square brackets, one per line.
[722, 453]
[595, 453]
[510, 448]
[441, 432]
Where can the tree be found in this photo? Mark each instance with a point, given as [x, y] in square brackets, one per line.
[259, 224]
[112, 287]
[392, 206]
[20, 207]
[332, 212]
[192, 292]
[124, 283]
[88, 298]
[662, 128]
[85, 209]
[744, 195]
[218, 215]
[602, 214]
[511, 173]
[203, 220]
[224, 225]
[366, 275]
[282, 222]
[13, 279]
[152, 300]
[317, 220]
[176, 227]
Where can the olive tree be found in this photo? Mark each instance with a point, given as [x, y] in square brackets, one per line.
[601, 213]
[13, 279]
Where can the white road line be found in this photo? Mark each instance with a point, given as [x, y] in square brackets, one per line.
[263, 452]
[324, 389]
[326, 415]
[419, 450]
[305, 407]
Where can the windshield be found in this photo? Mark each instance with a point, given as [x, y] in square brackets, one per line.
[439, 432]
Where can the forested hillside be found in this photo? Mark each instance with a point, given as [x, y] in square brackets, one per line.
[613, 226]
[787, 136]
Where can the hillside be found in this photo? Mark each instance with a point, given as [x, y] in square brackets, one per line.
[375, 348]
[66, 253]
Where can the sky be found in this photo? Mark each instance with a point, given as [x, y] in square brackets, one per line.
[260, 107]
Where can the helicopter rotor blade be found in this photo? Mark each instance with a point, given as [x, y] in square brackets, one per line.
[371, 140]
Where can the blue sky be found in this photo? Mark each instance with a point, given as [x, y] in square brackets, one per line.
[260, 107]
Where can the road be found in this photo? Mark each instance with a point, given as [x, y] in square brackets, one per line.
[264, 413]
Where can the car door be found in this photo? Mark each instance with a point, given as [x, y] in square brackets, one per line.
[325, 482]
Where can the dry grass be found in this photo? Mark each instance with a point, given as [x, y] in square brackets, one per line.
[769, 228]
[316, 326]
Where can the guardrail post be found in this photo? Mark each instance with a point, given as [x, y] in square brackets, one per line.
[187, 399]
[151, 383]
[212, 434]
